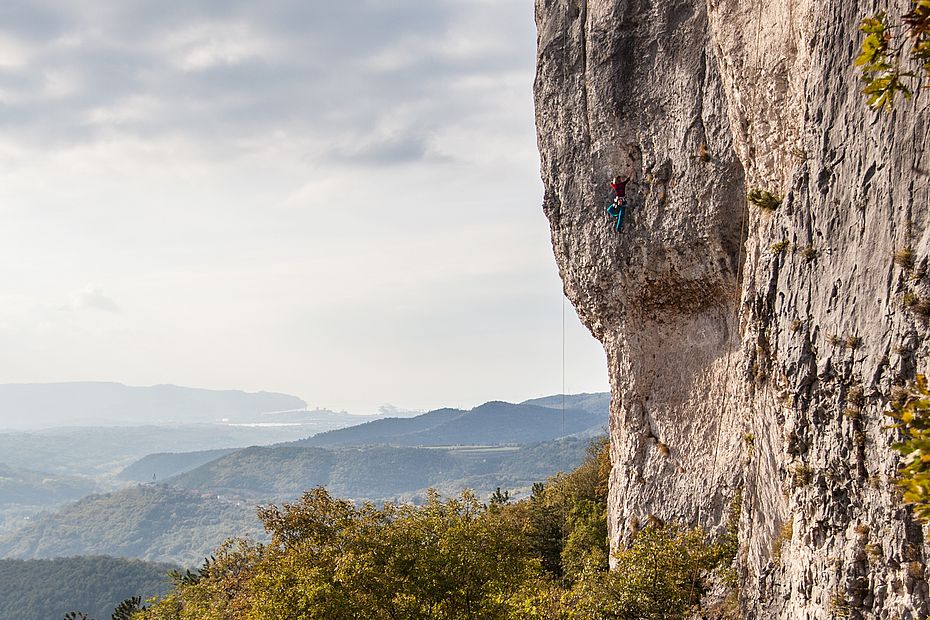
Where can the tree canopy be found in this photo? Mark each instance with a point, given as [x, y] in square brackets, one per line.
[451, 559]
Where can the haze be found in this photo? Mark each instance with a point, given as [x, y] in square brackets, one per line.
[339, 201]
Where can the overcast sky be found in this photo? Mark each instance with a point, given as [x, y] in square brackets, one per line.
[338, 200]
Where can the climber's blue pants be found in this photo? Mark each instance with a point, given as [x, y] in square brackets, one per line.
[617, 211]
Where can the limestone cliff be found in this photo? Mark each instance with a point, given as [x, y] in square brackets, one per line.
[751, 353]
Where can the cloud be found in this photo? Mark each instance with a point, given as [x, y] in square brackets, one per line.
[398, 149]
[220, 72]
[211, 46]
[13, 54]
[93, 298]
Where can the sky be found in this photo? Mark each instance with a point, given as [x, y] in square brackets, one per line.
[336, 200]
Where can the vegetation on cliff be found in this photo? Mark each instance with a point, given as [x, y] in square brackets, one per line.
[895, 56]
[912, 411]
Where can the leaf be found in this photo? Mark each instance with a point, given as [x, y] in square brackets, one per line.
[918, 18]
[874, 24]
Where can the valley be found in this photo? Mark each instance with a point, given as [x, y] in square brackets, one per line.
[172, 493]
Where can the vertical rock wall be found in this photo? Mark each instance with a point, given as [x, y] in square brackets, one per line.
[751, 353]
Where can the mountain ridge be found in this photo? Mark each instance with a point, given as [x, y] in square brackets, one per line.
[530, 423]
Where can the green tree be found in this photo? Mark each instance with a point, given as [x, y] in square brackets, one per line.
[500, 498]
[544, 529]
[123, 611]
[449, 559]
[566, 519]
[127, 608]
[224, 592]
[542, 558]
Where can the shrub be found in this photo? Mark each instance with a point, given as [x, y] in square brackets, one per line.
[853, 413]
[703, 154]
[853, 342]
[764, 199]
[328, 559]
[808, 253]
[899, 395]
[660, 576]
[785, 534]
[780, 247]
[457, 559]
[859, 438]
[855, 396]
[920, 306]
[801, 475]
[904, 258]
[565, 520]
[586, 544]
[839, 606]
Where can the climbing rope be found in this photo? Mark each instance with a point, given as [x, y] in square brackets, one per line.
[563, 364]
[565, 78]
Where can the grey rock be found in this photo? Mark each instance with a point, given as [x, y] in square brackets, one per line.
[735, 356]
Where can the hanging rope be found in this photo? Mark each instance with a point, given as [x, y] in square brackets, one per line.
[565, 43]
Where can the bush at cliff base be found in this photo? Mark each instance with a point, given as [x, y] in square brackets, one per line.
[544, 557]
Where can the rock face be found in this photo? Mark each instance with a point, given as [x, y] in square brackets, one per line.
[751, 353]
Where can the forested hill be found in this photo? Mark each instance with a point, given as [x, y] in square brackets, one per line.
[24, 486]
[492, 423]
[380, 472]
[596, 402]
[48, 589]
[164, 465]
[102, 451]
[151, 522]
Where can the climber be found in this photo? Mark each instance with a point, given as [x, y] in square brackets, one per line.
[617, 208]
[619, 186]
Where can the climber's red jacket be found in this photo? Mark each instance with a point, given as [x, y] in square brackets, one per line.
[620, 188]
